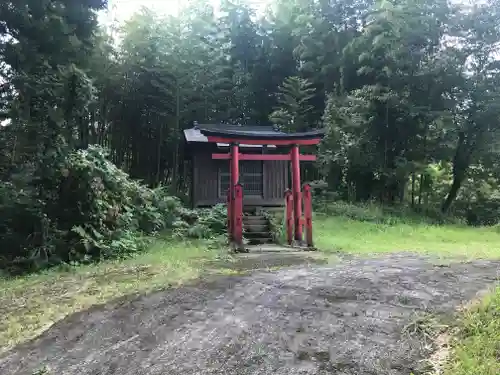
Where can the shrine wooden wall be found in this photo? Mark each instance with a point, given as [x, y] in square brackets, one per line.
[207, 181]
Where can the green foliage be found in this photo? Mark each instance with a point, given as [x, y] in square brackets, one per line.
[407, 92]
[377, 213]
[207, 223]
[294, 105]
[475, 350]
[105, 210]
[277, 226]
[92, 210]
[23, 223]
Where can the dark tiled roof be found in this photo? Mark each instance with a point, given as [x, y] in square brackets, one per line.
[195, 133]
[247, 129]
[244, 132]
[200, 131]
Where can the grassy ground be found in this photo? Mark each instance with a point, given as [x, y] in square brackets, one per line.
[31, 304]
[365, 237]
[476, 350]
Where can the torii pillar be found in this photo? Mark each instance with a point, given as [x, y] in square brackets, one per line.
[235, 194]
[296, 191]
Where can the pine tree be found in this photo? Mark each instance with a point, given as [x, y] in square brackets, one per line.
[294, 109]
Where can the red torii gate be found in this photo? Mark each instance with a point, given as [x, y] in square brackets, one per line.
[293, 198]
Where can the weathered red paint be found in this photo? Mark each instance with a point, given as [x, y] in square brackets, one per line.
[263, 157]
[235, 167]
[297, 195]
[234, 179]
[229, 215]
[293, 199]
[289, 216]
[276, 142]
[238, 215]
[308, 214]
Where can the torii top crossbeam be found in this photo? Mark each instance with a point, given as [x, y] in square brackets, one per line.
[236, 135]
[239, 134]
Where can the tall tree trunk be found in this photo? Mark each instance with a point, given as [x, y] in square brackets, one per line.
[158, 154]
[461, 163]
[452, 194]
[175, 171]
[84, 131]
[13, 156]
[421, 189]
[402, 190]
[413, 189]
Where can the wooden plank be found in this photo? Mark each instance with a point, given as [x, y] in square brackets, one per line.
[206, 176]
[278, 179]
[263, 157]
[275, 179]
[194, 180]
[267, 176]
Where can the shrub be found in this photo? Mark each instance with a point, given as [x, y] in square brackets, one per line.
[26, 233]
[377, 213]
[107, 212]
[84, 208]
[277, 226]
[202, 223]
[80, 207]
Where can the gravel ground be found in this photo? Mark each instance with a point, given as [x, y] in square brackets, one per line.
[342, 319]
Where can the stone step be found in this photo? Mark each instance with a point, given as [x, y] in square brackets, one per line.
[255, 221]
[256, 229]
[256, 234]
[260, 240]
[254, 218]
[259, 227]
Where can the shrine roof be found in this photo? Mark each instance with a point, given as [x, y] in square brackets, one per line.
[247, 132]
[201, 132]
[195, 134]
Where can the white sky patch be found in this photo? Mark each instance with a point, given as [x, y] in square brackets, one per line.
[121, 10]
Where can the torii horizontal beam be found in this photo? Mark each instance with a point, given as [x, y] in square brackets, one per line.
[276, 142]
[264, 157]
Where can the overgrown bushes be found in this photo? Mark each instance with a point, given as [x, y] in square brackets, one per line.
[377, 213]
[277, 226]
[202, 223]
[88, 210]
[102, 211]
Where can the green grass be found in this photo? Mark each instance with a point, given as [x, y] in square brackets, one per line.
[476, 350]
[365, 237]
[31, 304]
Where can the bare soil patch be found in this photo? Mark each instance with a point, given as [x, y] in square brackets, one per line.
[347, 318]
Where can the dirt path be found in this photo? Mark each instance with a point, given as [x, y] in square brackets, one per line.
[341, 319]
